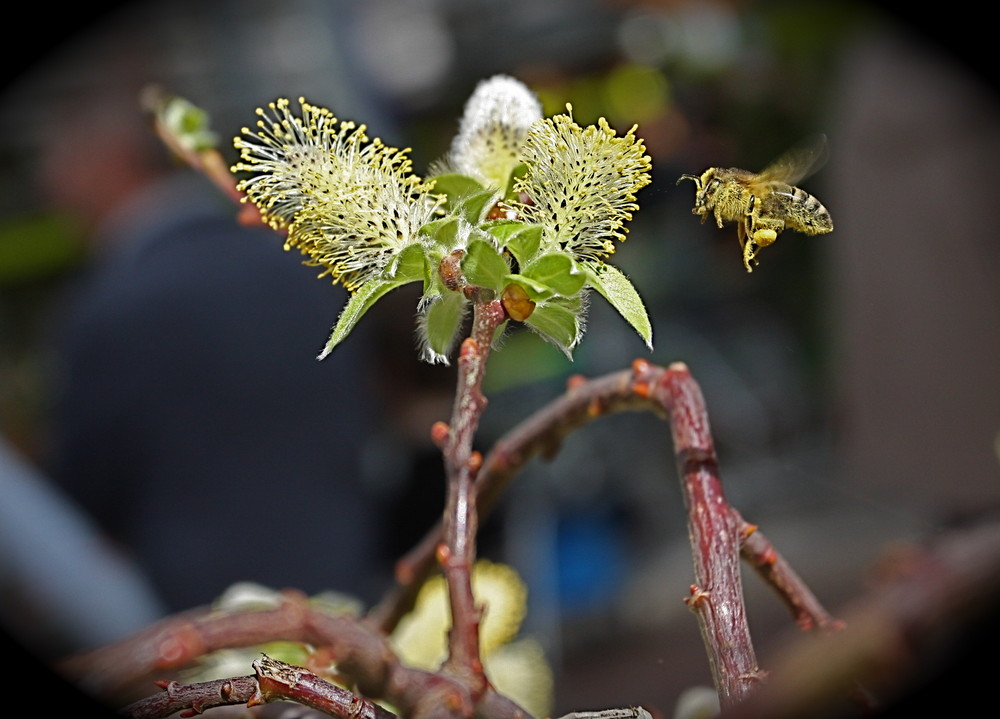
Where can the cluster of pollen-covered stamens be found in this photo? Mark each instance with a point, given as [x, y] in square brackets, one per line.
[348, 202]
[585, 193]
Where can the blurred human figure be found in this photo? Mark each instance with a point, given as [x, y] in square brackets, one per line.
[192, 420]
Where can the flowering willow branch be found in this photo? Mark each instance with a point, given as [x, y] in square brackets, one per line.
[531, 208]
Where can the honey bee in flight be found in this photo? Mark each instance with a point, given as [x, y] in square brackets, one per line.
[767, 202]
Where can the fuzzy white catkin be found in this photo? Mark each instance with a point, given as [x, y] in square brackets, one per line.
[493, 127]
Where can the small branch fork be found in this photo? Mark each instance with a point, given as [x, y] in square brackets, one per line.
[719, 535]
[713, 528]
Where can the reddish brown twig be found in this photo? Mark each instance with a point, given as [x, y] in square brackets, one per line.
[538, 435]
[457, 553]
[363, 657]
[192, 699]
[673, 393]
[274, 680]
[208, 161]
[806, 609]
[714, 532]
[935, 608]
[360, 649]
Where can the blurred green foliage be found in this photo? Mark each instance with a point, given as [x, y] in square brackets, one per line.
[37, 248]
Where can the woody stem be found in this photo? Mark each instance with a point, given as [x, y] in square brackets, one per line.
[457, 553]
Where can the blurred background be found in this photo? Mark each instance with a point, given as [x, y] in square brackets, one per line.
[851, 378]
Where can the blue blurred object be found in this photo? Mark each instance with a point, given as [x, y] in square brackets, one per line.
[64, 586]
[591, 559]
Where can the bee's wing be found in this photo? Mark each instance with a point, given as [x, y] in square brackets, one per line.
[798, 163]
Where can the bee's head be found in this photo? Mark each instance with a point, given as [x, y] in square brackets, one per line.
[705, 187]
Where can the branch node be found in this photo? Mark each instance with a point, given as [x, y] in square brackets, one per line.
[698, 597]
[641, 366]
[469, 349]
[595, 408]
[759, 676]
[440, 432]
[442, 554]
[180, 644]
[475, 462]
[226, 691]
[641, 389]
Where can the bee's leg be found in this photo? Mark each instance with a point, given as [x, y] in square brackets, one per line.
[745, 233]
[747, 242]
[762, 229]
[749, 252]
[760, 237]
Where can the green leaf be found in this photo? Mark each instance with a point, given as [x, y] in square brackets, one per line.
[361, 301]
[521, 239]
[409, 265]
[519, 171]
[442, 232]
[484, 266]
[557, 322]
[502, 230]
[558, 271]
[455, 187]
[536, 290]
[439, 325]
[616, 289]
[473, 207]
